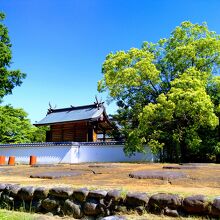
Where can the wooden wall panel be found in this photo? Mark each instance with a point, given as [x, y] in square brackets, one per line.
[69, 132]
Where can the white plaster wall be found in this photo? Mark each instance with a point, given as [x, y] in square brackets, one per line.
[52, 154]
[45, 155]
[111, 153]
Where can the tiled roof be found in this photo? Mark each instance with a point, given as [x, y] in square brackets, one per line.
[72, 114]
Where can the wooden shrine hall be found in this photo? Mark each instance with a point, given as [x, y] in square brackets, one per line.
[77, 124]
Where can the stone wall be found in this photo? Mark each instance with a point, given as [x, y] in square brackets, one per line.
[100, 203]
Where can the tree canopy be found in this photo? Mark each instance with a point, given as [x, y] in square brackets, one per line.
[8, 78]
[168, 93]
[15, 127]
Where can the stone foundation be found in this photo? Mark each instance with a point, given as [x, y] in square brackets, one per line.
[100, 203]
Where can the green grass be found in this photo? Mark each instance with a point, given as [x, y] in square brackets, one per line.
[12, 215]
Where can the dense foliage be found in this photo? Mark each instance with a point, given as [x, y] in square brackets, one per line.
[168, 94]
[8, 78]
[15, 127]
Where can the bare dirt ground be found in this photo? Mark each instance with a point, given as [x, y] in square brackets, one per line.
[204, 179]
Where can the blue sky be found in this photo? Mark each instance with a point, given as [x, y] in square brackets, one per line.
[61, 44]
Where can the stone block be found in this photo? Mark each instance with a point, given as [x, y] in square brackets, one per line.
[12, 189]
[114, 195]
[171, 212]
[50, 204]
[162, 200]
[26, 193]
[2, 187]
[97, 194]
[136, 199]
[80, 194]
[91, 208]
[197, 204]
[61, 192]
[72, 209]
[41, 193]
[215, 208]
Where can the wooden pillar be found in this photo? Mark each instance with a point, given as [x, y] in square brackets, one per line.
[94, 135]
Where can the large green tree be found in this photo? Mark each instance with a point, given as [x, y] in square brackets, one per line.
[8, 78]
[168, 93]
[15, 127]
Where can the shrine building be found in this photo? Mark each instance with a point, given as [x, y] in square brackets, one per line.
[77, 124]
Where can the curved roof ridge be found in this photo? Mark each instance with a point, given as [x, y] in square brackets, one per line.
[71, 108]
